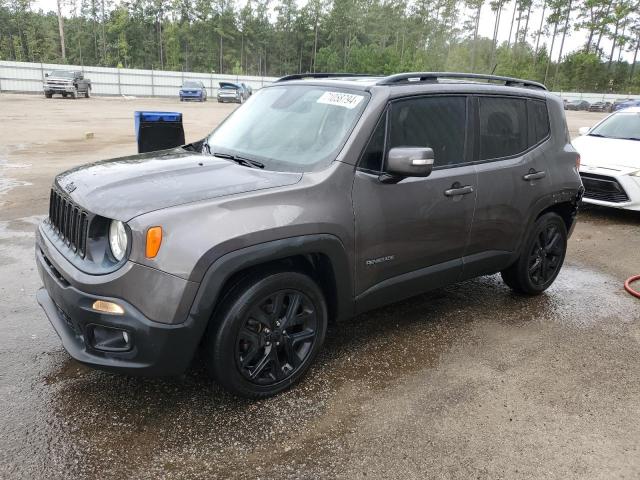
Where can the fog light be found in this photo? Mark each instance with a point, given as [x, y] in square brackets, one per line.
[107, 307]
[108, 339]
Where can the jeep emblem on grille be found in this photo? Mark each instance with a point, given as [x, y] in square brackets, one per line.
[70, 187]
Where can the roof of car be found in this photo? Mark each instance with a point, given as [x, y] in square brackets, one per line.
[416, 83]
[629, 110]
[364, 81]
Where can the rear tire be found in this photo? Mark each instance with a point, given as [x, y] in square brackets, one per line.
[266, 333]
[87, 94]
[541, 258]
[74, 94]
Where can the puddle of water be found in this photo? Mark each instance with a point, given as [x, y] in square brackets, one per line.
[7, 183]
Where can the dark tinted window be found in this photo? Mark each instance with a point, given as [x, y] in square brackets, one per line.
[372, 156]
[538, 121]
[503, 127]
[435, 122]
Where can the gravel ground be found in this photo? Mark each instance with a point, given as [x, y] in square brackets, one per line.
[469, 381]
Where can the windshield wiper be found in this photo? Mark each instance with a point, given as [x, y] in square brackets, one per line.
[630, 138]
[247, 162]
[597, 135]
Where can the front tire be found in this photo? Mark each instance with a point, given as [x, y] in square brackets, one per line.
[87, 94]
[541, 258]
[266, 334]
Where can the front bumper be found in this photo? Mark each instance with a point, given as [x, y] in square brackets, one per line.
[191, 96]
[153, 348]
[59, 88]
[621, 178]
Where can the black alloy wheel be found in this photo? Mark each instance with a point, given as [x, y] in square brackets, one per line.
[276, 337]
[546, 255]
[266, 333]
[541, 257]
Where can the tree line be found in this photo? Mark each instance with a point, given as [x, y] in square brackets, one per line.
[278, 37]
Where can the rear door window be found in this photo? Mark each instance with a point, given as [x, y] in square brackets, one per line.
[503, 127]
[435, 122]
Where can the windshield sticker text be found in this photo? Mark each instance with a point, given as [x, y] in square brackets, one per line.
[347, 100]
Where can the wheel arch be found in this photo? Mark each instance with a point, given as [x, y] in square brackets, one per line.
[323, 257]
[564, 203]
[566, 210]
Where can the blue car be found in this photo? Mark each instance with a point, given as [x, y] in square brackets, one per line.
[193, 90]
[627, 104]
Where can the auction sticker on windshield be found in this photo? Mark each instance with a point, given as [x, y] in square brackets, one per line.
[340, 99]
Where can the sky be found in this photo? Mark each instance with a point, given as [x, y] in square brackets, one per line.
[573, 41]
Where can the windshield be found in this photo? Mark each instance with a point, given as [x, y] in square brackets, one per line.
[191, 84]
[624, 125]
[290, 128]
[61, 73]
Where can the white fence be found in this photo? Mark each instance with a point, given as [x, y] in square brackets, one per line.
[593, 97]
[28, 77]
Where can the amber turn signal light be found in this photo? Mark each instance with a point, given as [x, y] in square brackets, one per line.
[154, 239]
[107, 307]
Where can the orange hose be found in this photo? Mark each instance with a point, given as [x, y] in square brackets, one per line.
[627, 285]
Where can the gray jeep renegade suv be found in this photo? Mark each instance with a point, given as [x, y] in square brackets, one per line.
[322, 197]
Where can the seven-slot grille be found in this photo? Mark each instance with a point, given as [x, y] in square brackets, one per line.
[601, 187]
[69, 221]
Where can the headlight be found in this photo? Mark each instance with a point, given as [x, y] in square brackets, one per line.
[635, 174]
[117, 239]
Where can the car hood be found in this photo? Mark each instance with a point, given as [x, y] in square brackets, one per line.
[126, 187]
[607, 152]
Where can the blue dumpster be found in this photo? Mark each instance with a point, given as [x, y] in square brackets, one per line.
[158, 130]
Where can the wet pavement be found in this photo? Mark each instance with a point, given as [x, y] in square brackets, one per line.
[469, 381]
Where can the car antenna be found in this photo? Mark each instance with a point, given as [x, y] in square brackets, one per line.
[495, 65]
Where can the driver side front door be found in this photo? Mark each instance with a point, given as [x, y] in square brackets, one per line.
[411, 235]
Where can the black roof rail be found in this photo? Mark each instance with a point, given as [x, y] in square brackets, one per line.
[435, 76]
[302, 76]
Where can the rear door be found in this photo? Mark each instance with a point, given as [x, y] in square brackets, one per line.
[411, 235]
[513, 151]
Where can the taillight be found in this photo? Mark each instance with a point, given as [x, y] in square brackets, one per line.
[578, 161]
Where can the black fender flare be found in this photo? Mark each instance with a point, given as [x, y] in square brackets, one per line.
[221, 270]
[566, 196]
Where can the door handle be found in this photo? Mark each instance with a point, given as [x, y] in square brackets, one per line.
[456, 190]
[533, 175]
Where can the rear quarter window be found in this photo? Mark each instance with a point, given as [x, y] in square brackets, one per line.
[538, 121]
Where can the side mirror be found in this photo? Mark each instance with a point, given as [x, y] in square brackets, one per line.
[409, 162]
[584, 130]
[46, 74]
